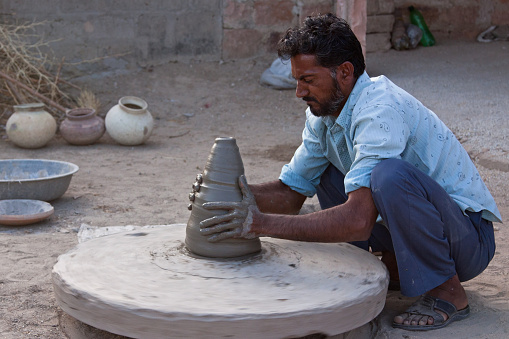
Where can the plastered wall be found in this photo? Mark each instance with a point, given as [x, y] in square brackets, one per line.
[122, 33]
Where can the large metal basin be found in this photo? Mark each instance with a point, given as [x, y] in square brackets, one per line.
[35, 179]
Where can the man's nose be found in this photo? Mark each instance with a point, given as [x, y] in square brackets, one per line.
[301, 90]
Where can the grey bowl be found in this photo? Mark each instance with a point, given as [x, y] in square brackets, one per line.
[35, 179]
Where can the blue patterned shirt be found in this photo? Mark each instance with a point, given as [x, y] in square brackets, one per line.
[381, 121]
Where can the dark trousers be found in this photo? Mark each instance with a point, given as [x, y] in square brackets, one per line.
[431, 237]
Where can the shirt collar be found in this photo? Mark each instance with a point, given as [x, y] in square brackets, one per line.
[345, 116]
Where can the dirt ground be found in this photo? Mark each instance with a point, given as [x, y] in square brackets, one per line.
[465, 83]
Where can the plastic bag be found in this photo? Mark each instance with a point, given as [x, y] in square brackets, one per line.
[414, 35]
[405, 37]
[399, 37]
[279, 75]
[494, 33]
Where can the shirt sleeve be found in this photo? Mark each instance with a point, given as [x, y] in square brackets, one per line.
[378, 132]
[303, 172]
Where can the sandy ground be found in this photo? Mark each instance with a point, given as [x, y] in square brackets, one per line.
[465, 83]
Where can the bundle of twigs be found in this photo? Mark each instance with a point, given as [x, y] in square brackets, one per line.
[26, 73]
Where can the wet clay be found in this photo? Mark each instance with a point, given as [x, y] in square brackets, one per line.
[219, 182]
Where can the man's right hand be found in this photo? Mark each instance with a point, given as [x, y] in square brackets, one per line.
[236, 223]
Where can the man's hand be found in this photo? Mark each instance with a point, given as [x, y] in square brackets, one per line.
[237, 223]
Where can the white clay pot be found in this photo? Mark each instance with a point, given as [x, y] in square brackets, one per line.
[30, 126]
[129, 122]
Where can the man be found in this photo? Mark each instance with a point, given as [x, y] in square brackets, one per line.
[388, 173]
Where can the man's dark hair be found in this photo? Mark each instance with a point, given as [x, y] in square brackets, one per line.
[327, 37]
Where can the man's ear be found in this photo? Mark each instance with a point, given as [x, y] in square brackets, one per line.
[345, 70]
[345, 74]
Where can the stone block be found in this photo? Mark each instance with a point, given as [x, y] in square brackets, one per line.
[456, 21]
[372, 7]
[310, 8]
[499, 15]
[238, 14]
[203, 5]
[241, 43]
[195, 39]
[380, 23]
[378, 42]
[272, 41]
[375, 7]
[24, 8]
[157, 6]
[80, 38]
[115, 28]
[152, 26]
[274, 13]
[386, 6]
[79, 6]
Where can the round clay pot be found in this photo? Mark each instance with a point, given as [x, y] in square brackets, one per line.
[82, 126]
[30, 126]
[129, 122]
[219, 182]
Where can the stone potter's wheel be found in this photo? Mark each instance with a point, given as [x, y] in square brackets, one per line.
[145, 284]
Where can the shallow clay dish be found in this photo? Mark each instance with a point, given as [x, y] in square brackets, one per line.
[18, 212]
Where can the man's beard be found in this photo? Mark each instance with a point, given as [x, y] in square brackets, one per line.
[331, 105]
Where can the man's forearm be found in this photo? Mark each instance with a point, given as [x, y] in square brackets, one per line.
[351, 221]
[277, 198]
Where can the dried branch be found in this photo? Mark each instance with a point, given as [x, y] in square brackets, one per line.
[58, 71]
[27, 74]
[34, 93]
[25, 69]
[14, 92]
[65, 82]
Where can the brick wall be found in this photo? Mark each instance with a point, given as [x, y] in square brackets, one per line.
[459, 19]
[253, 28]
[118, 34]
[379, 25]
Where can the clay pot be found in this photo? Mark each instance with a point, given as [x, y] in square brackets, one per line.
[219, 182]
[30, 126]
[129, 122]
[82, 126]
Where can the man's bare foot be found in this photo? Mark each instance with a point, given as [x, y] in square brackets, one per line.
[450, 291]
